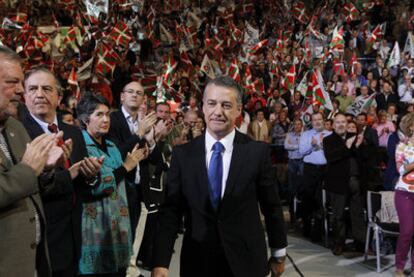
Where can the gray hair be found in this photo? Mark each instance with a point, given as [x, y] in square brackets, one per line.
[47, 71]
[8, 54]
[87, 105]
[227, 82]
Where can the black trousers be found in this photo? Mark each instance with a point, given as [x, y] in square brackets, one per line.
[338, 202]
[311, 194]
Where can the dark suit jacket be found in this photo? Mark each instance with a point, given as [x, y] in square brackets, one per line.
[382, 103]
[370, 175]
[236, 227]
[338, 167]
[120, 134]
[62, 204]
[19, 198]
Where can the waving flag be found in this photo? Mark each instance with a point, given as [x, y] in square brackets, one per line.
[320, 95]
[337, 43]
[234, 70]
[207, 67]
[289, 81]
[253, 50]
[107, 59]
[73, 81]
[395, 57]
[351, 12]
[299, 12]
[121, 34]
[169, 67]
[377, 34]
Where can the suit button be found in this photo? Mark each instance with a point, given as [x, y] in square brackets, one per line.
[32, 219]
[33, 245]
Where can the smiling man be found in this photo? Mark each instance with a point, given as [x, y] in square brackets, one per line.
[216, 182]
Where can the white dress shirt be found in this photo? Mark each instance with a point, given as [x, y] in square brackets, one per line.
[44, 125]
[133, 127]
[227, 142]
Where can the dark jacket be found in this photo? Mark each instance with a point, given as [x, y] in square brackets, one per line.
[63, 207]
[338, 167]
[235, 227]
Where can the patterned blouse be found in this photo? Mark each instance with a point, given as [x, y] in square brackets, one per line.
[404, 155]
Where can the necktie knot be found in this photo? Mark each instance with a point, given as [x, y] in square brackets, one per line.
[218, 147]
[53, 128]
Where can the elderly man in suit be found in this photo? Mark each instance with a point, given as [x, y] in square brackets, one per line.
[62, 205]
[22, 177]
[216, 181]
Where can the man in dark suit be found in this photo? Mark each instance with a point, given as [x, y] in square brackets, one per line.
[216, 181]
[22, 179]
[386, 97]
[370, 175]
[342, 182]
[63, 203]
[127, 129]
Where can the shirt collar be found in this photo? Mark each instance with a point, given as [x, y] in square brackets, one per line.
[44, 125]
[127, 115]
[227, 141]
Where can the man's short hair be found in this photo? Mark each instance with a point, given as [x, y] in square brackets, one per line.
[364, 114]
[162, 104]
[315, 114]
[8, 54]
[43, 69]
[227, 82]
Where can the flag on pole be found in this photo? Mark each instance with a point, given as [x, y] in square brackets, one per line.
[168, 70]
[395, 56]
[303, 85]
[409, 44]
[299, 12]
[234, 70]
[253, 50]
[361, 104]
[73, 81]
[353, 64]
[121, 34]
[377, 34]
[289, 81]
[249, 84]
[320, 95]
[351, 12]
[107, 59]
[337, 43]
[207, 67]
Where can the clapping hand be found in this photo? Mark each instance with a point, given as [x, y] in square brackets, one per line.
[146, 124]
[135, 156]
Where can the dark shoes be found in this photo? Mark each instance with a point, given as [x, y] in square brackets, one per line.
[338, 250]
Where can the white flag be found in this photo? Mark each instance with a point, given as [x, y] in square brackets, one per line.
[409, 45]
[395, 57]
[361, 104]
[303, 85]
[207, 67]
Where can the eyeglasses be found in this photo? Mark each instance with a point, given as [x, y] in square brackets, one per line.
[137, 92]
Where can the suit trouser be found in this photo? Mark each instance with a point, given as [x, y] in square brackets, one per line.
[311, 193]
[295, 173]
[133, 270]
[338, 203]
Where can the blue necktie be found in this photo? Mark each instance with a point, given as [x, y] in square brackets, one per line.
[215, 174]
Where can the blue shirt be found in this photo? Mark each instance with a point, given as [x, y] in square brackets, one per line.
[313, 154]
[292, 145]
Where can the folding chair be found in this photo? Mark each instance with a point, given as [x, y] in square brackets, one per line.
[387, 229]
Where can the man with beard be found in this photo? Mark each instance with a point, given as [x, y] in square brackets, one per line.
[342, 182]
[22, 178]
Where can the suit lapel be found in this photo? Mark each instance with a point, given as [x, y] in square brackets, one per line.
[124, 123]
[201, 171]
[236, 163]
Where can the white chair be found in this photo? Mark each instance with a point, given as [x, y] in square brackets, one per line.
[387, 229]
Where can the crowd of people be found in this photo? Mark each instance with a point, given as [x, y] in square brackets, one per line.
[105, 93]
